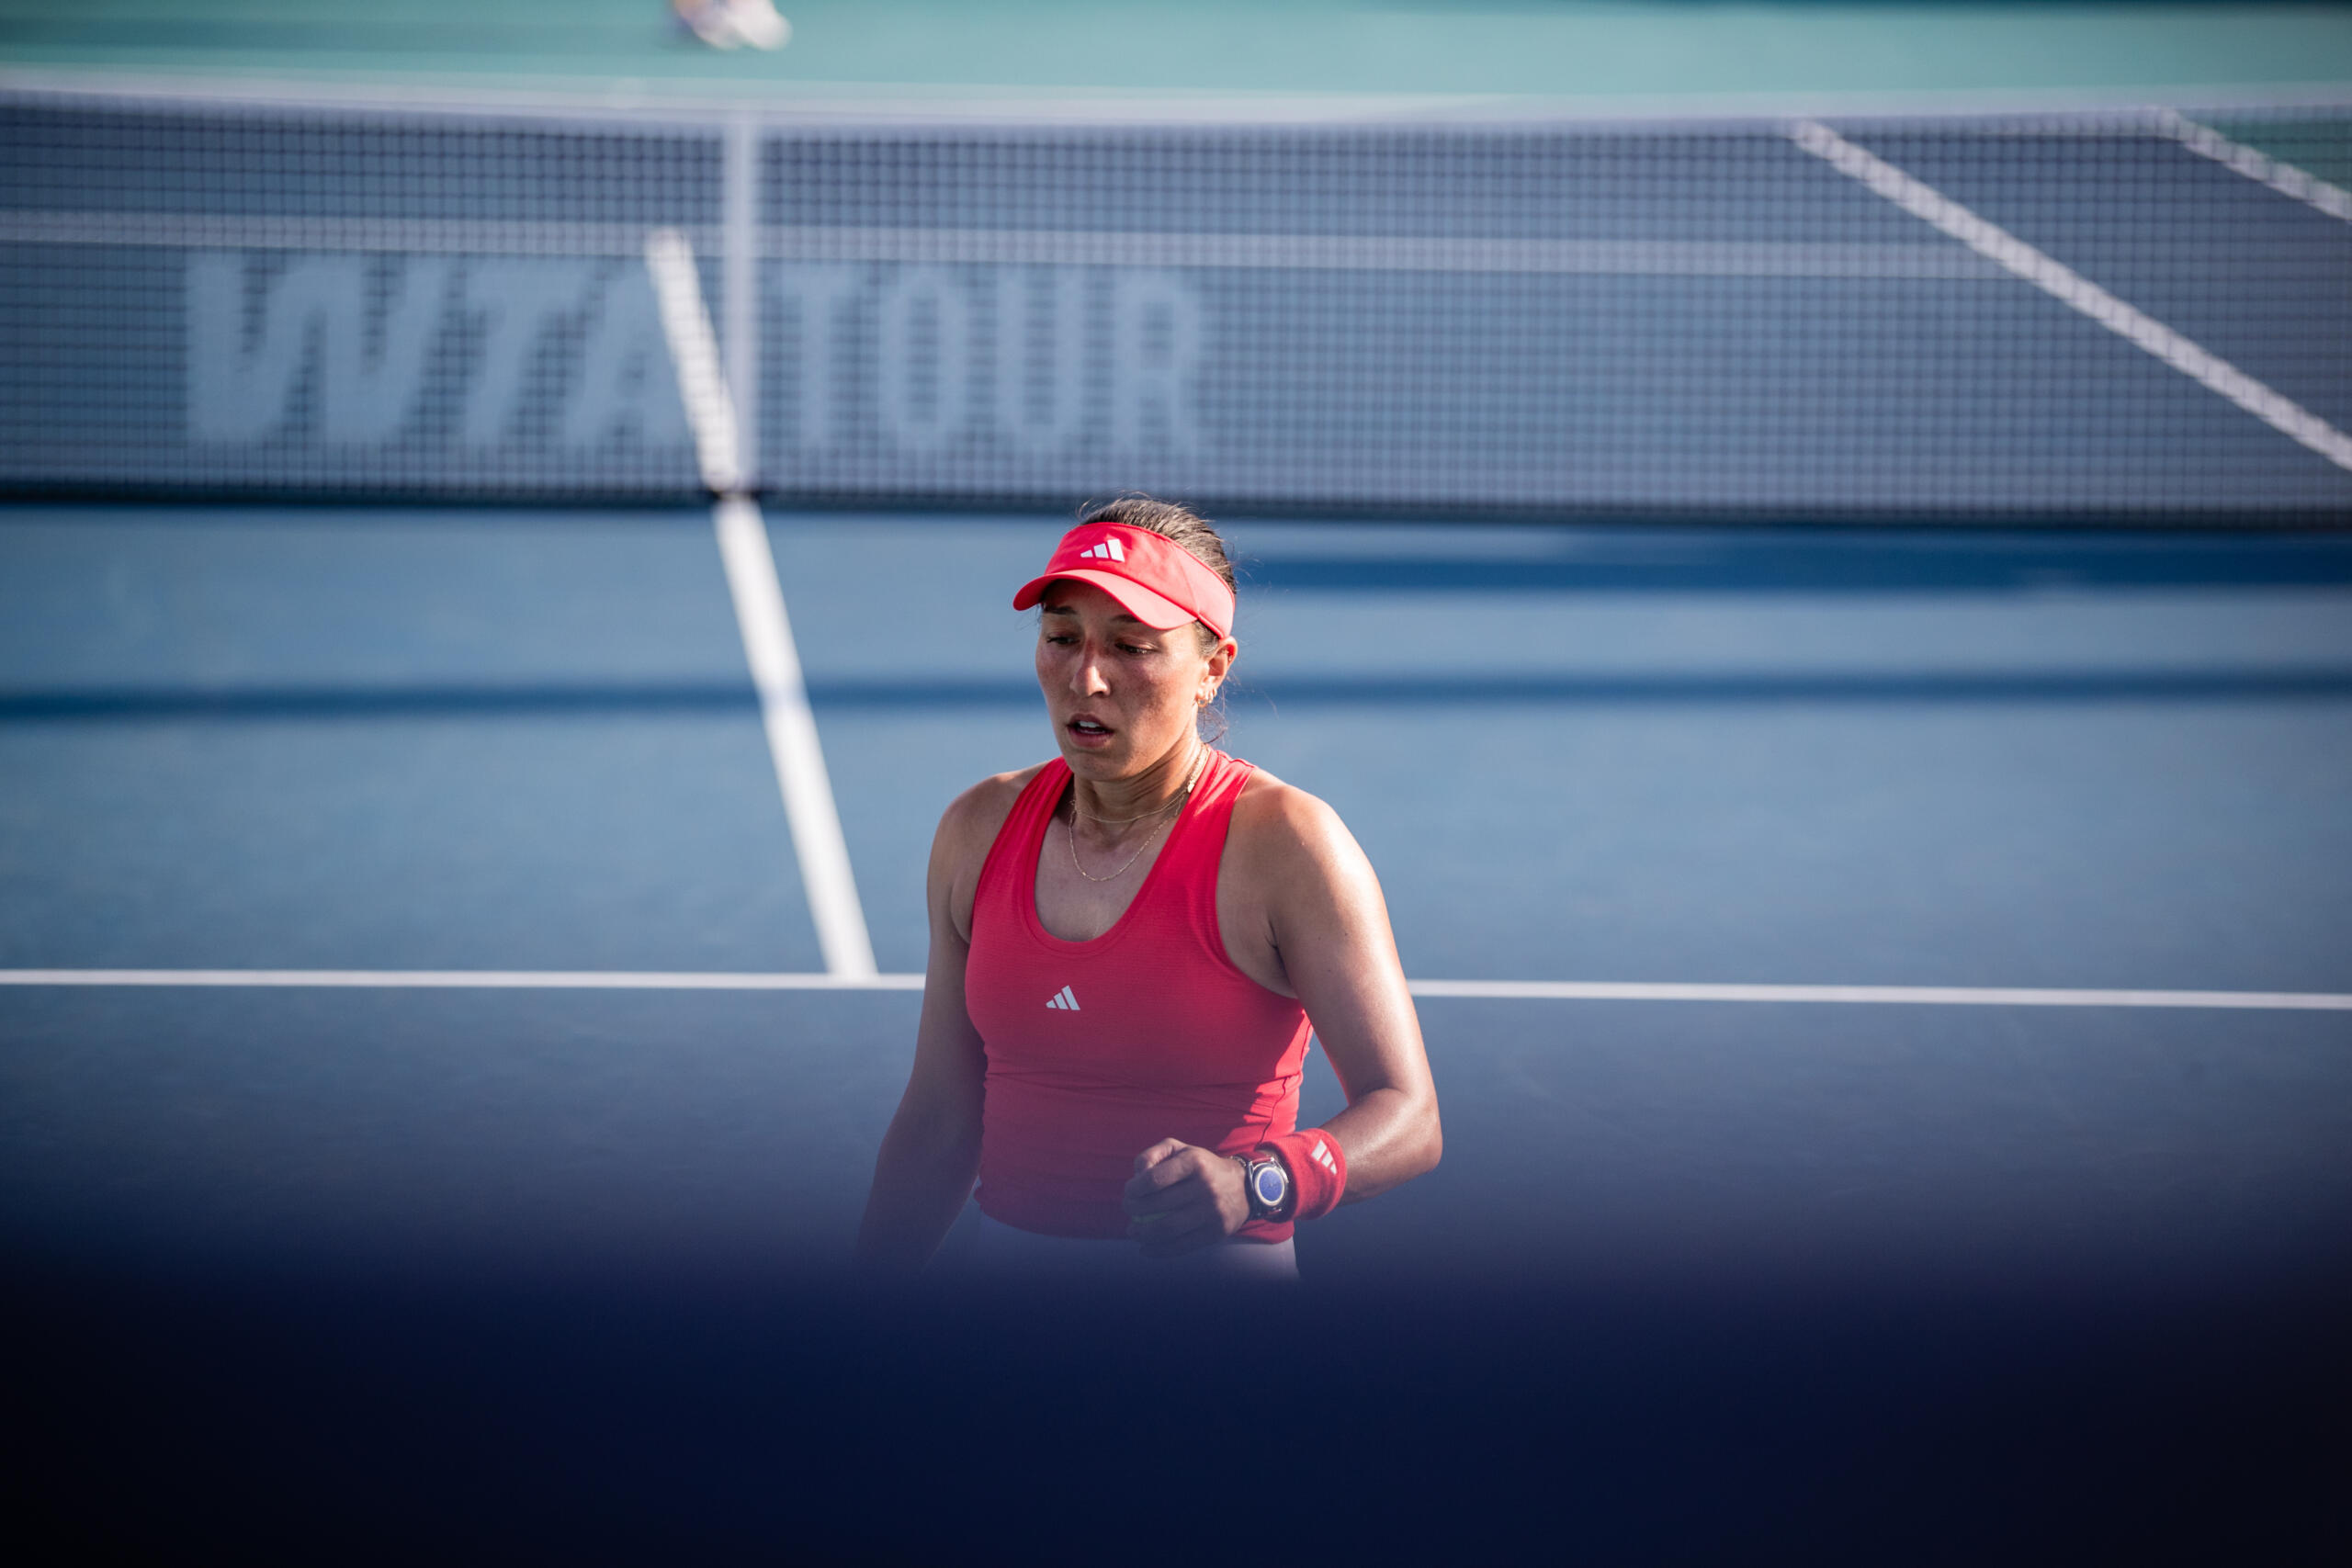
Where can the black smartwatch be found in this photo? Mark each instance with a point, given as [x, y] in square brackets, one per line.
[1267, 1181]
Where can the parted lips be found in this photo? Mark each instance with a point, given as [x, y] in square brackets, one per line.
[1157, 580]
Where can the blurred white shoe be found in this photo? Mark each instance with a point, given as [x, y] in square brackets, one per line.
[727, 24]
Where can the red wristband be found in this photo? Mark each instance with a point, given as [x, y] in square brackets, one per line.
[1319, 1170]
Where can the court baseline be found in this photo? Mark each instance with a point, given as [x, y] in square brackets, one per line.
[1486, 990]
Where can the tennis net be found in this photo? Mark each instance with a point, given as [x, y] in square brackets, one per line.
[2134, 316]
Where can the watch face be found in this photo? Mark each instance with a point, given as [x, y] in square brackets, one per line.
[1267, 1183]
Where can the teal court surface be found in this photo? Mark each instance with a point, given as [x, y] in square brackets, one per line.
[922, 50]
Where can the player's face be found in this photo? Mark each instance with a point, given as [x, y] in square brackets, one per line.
[1122, 696]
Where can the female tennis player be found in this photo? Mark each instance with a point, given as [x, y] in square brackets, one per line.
[1129, 946]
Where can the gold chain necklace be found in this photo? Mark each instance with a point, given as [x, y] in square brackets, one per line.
[1182, 795]
[1114, 821]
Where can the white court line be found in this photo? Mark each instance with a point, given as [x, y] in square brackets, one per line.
[440, 236]
[792, 740]
[1910, 995]
[2260, 168]
[2072, 288]
[791, 725]
[1492, 990]
[694, 349]
[1376, 253]
[741, 245]
[465, 979]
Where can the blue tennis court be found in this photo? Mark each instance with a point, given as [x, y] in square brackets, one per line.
[333, 741]
[526, 744]
[1834, 632]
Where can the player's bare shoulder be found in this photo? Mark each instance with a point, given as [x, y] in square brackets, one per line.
[966, 830]
[1281, 830]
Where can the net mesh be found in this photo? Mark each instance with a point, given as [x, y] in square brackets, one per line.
[2116, 316]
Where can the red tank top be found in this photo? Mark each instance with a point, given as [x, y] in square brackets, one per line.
[1097, 1050]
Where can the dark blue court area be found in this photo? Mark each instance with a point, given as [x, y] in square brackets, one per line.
[379, 1269]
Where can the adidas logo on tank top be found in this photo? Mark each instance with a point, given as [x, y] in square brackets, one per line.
[1063, 1000]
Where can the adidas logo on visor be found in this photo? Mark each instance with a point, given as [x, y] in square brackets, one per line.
[1063, 1000]
[1107, 550]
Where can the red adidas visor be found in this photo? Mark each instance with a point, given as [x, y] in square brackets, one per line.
[1157, 580]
